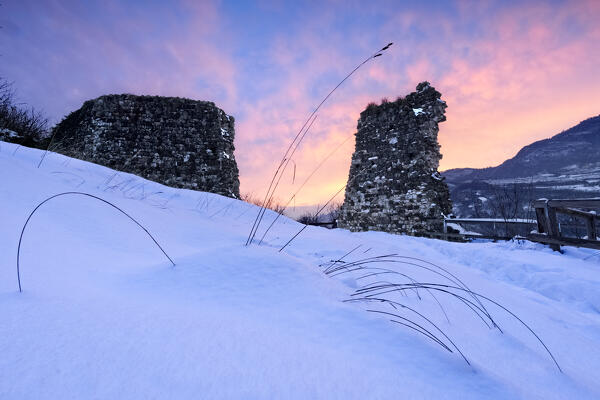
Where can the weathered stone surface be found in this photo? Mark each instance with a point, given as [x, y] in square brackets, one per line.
[394, 185]
[178, 142]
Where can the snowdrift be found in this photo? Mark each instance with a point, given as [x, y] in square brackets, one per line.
[104, 314]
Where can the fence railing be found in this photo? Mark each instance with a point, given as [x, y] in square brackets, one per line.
[488, 228]
[546, 228]
[549, 228]
[327, 224]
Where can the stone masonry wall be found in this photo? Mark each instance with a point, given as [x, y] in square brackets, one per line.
[394, 185]
[178, 142]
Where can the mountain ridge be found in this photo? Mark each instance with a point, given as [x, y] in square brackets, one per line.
[565, 165]
[587, 131]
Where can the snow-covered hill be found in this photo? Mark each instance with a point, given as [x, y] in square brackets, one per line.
[104, 314]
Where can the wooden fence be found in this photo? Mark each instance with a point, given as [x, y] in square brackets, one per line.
[494, 225]
[546, 228]
[547, 224]
[549, 229]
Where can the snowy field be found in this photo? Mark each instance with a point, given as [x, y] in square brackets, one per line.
[104, 315]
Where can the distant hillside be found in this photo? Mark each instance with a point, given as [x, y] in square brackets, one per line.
[566, 165]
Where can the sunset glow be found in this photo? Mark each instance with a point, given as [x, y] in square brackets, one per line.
[511, 72]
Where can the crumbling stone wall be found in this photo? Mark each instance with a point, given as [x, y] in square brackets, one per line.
[178, 142]
[394, 185]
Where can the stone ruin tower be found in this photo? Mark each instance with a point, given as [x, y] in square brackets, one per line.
[177, 142]
[394, 185]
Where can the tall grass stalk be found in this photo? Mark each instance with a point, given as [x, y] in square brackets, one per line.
[339, 146]
[78, 194]
[376, 291]
[294, 146]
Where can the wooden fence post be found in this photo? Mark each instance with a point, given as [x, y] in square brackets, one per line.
[591, 228]
[551, 224]
[549, 231]
[445, 229]
[540, 214]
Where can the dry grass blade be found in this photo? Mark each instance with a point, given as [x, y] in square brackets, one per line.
[415, 326]
[78, 194]
[434, 268]
[339, 146]
[376, 291]
[448, 289]
[294, 145]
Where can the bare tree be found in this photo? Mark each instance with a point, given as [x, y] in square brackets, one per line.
[510, 202]
[477, 204]
[308, 218]
[333, 210]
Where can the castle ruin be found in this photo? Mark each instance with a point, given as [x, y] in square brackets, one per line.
[174, 141]
[394, 185]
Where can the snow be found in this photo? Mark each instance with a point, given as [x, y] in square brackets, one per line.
[103, 313]
[498, 220]
[462, 230]
[583, 188]
[424, 88]
[9, 133]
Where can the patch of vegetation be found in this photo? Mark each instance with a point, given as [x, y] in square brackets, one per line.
[20, 123]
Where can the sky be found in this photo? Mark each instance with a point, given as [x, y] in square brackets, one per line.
[511, 72]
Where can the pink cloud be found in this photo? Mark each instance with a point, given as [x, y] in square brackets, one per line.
[530, 83]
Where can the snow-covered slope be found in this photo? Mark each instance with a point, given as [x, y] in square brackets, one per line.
[104, 314]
